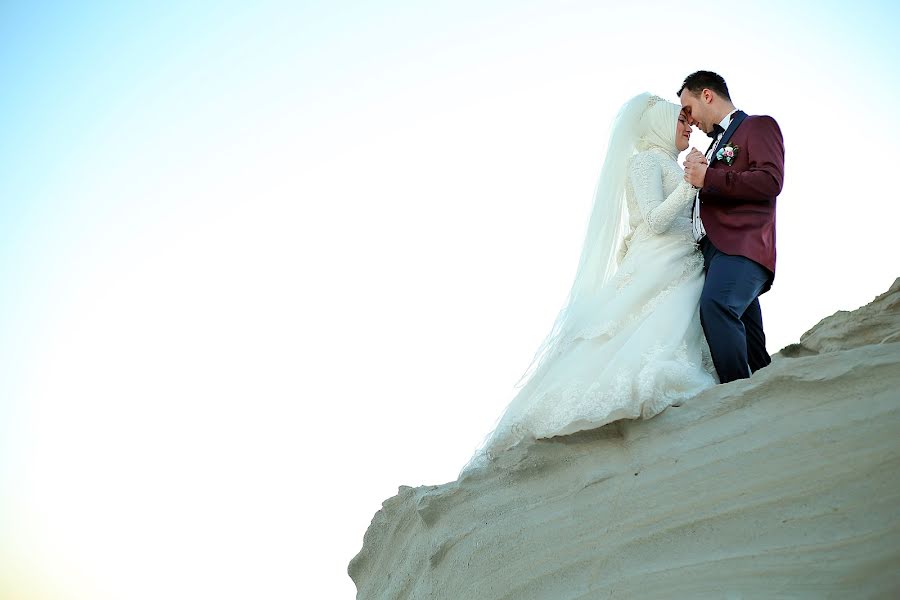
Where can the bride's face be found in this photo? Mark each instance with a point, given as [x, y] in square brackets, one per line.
[682, 132]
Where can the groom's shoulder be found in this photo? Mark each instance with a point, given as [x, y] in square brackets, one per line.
[764, 121]
[762, 125]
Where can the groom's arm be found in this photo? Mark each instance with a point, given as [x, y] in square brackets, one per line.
[764, 177]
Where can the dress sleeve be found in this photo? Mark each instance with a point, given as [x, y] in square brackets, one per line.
[657, 210]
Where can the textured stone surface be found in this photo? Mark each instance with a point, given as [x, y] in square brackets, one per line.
[785, 485]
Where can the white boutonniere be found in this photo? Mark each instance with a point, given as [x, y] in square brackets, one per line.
[728, 153]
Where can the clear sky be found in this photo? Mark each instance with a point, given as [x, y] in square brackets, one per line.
[263, 262]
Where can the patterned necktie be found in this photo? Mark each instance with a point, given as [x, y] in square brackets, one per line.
[714, 135]
[699, 230]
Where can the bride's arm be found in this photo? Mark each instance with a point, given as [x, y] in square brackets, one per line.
[659, 212]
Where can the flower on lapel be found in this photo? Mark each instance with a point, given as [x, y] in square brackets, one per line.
[728, 153]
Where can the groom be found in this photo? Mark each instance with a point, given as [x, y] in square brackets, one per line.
[734, 221]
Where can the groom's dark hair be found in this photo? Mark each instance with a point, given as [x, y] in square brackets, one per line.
[697, 82]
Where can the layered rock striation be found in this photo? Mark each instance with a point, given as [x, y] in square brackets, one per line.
[784, 485]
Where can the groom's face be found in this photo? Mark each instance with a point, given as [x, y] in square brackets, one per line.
[696, 110]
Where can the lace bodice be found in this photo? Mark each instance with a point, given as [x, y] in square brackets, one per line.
[658, 197]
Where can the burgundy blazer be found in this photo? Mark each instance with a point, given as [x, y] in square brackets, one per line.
[737, 201]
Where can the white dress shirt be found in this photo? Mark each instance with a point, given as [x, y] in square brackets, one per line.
[699, 231]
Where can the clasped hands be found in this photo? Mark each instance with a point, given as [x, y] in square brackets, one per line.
[695, 166]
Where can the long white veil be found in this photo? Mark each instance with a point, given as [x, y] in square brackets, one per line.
[605, 235]
[606, 232]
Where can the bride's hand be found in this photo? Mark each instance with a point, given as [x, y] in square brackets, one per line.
[695, 157]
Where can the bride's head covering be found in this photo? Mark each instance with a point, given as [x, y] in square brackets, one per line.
[657, 127]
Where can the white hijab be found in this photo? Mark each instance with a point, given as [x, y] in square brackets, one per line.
[657, 128]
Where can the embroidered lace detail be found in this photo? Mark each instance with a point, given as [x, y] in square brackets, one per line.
[622, 279]
[660, 379]
[649, 175]
[691, 266]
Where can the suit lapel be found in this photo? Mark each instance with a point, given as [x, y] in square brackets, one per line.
[736, 119]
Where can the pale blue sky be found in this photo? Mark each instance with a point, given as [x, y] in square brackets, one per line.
[264, 262]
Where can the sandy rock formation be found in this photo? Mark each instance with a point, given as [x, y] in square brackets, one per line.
[784, 485]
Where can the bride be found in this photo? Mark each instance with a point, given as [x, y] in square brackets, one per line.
[628, 342]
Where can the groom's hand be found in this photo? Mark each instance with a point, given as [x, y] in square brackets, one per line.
[695, 173]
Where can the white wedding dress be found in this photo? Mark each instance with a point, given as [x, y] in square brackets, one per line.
[646, 350]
